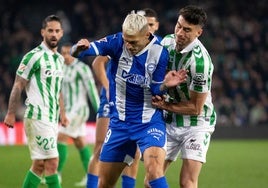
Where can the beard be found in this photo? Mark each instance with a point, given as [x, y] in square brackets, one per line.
[52, 43]
[180, 44]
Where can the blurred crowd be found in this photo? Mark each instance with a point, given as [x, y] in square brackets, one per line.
[236, 36]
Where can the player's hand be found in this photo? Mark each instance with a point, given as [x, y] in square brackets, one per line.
[174, 78]
[82, 44]
[64, 121]
[9, 120]
[159, 101]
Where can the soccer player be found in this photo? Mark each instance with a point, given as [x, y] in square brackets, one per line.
[138, 68]
[99, 66]
[78, 87]
[40, 73]
[190, 115]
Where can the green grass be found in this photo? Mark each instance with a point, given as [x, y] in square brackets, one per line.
[230, 164]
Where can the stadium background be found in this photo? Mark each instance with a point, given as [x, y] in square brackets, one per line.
[236, 37]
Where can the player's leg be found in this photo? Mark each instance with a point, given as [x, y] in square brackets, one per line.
[51, 176]
[152, 141]
[154, 162]
[40, 167]
[117, 152]
[51, 164]
[42, 137]
[194, 150]
[33, 176]
[109, 173]
[129, 173]
[190, 171]
[166, 165]
[62, 146]
[84, 153]
[93, 168]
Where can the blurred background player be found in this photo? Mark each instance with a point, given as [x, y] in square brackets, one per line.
[40, 73]
[152, 19]
[78, 87]
[101, 70]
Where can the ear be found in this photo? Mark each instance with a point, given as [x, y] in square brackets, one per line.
[157, 25]
[199, 32]
[148, 34]
[42, 32]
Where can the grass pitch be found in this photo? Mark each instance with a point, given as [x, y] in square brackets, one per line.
[230, 164]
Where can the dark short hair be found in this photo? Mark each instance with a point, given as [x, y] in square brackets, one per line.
[51, 18]
[65, 44]
[194, 15]
[150, 13]
[68, 44]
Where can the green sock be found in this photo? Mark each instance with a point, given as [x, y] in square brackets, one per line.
[63, 153]
[53, 181]
[85, 156]
[31, 180]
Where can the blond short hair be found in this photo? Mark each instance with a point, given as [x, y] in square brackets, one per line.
[134, 23]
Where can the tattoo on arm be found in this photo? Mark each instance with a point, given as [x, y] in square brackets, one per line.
[15, 94]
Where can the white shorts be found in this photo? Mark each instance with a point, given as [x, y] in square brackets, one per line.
[41, 138]
[190, 142]
[76, 127]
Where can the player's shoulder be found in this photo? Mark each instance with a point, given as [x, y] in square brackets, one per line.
[37, 51]
[157, 47]
[199, 49]
[168, 39]
[112, 37]
[169, 36]
[33, 54]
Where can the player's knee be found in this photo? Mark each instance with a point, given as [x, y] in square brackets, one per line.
[187, 183]
[154, 172]
[51, 165]
[38, 167]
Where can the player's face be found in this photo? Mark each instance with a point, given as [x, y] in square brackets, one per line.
[65, 52]
[185, 33]
[52, 34]
[153, 24]
[136, 43]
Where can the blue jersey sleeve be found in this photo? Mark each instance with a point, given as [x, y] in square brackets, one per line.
[104, 46]
[159, 73]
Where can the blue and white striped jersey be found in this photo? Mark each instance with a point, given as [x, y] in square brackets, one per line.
[133, 79]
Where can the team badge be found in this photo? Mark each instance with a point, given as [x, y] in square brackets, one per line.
[199, 79]
[151, 67]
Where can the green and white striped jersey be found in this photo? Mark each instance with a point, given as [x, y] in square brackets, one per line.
[78, 86]
[197, 61]
[43, 69]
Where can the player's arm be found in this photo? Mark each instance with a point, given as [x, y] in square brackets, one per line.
[63, 119]
[192, 107]
[15, 96]
[80, 46]
[98, 66]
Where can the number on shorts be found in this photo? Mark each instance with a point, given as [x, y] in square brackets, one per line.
[46, 143]
[108, 134]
